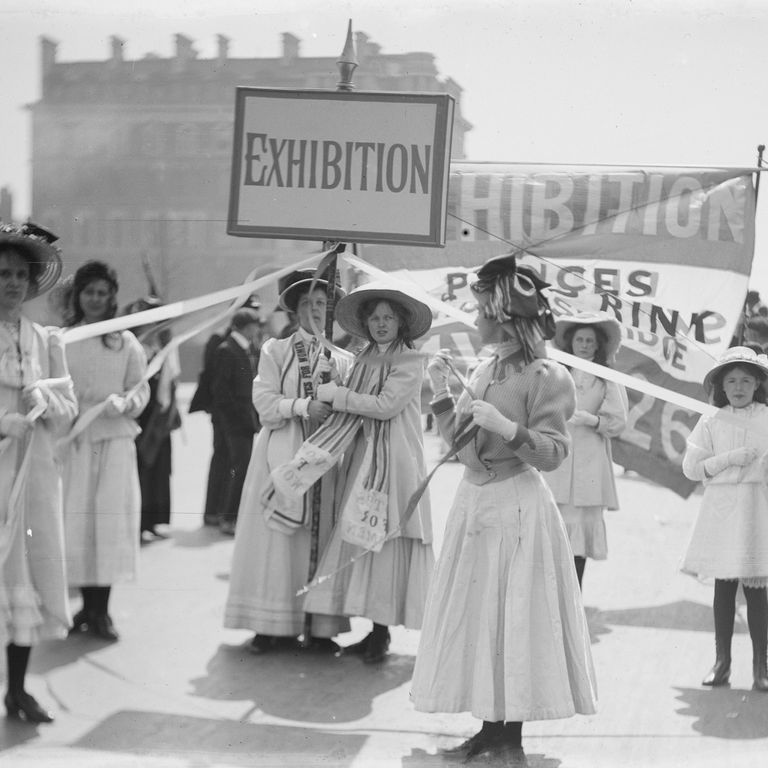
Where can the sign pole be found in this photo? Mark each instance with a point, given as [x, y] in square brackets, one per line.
[347, 65]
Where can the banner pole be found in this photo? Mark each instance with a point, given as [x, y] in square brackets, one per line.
[347, 65]
[760, 150]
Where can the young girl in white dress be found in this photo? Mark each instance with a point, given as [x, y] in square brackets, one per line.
[727, 451]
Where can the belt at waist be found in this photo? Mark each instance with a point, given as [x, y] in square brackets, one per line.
[495, 474]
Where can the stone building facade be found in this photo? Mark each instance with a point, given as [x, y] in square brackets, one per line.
[132, 158]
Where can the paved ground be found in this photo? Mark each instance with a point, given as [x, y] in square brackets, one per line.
[180, 691]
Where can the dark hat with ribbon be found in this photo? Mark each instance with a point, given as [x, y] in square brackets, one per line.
[514, 291]
[36, 246]
[293, 285]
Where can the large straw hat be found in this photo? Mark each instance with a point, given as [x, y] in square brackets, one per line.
[602, 320]
[293, 285]
[36, 245]
[737, 355]
[419, 314]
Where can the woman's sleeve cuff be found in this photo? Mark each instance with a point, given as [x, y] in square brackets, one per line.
[443, 405]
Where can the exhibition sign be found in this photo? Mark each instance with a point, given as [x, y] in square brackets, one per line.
[351, 167]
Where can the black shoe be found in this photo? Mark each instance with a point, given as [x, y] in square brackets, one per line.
[102, 627]
[262, 644]
[760, 675]
[22, 706]
[377, 648]
[227, 527]
[211, 520]
[359, 648]
[323, 645]
[720, 674]
[461, 750]
[81, 622]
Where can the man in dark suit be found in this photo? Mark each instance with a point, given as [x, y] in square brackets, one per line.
[235, 365]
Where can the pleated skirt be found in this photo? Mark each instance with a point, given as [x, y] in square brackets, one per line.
[388, 587]
[730, 537]
[586, 531]
[504, 634]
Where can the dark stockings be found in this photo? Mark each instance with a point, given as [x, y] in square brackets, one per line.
[580, 563]
[95, 600]
[18, 659]
[724, 609]
[757, 619]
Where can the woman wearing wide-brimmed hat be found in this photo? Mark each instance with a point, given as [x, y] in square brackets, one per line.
[33, 380]
[102, 497]
[728, 453]
[376, 425]
[504, 634]
[272, 544]
[583, 485]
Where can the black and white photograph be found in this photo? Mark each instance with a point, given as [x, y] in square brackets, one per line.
[383, 385]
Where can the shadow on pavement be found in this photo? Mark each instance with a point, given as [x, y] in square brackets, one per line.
[54, 654]
[301, 685]
[595, 624]
[231, 743]
[420, 758]
[726, 713]
[683, 614]
[13, 733]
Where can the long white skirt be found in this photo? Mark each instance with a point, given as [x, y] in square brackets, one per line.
[388, 587]
[102, 510]
[269, 566]
[504, 635]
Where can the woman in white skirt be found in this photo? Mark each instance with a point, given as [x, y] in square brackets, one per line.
[381, 468]
[504, 634]
[102, 499]
[273, 543]
[728, 452]
[583, 485]
[33, 379]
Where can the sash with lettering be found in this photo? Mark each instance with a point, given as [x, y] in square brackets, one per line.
[289, 482]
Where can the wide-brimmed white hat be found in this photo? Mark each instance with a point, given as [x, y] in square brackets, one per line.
[737, 355]
[35, 244]
[608, 325]
[418, 313]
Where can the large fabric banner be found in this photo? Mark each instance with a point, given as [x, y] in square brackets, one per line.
[667, 251]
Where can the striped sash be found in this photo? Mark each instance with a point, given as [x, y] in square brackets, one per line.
[287, 487]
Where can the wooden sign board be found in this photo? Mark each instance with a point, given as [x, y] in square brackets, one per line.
[352, 167]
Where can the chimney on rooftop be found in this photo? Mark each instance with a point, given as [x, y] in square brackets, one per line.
[6, 205]
[47, 53]
[116, 46]
[222, 48]
[291, 45]
[185, 51]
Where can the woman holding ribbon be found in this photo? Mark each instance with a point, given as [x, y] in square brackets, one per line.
[583, 485]
[504, 633]
[36, 403]
[272, 542]
[102, 499]
[375, 433]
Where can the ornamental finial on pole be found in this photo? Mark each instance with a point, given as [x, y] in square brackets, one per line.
[347, 63]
